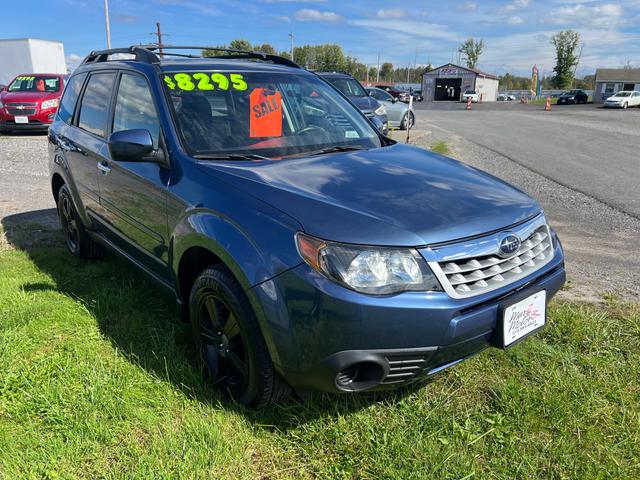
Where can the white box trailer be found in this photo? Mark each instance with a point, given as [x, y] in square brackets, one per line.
[30, 55]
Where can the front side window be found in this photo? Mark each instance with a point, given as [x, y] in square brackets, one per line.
[135, 108]
[35, 83]
[70, 97]
[348, 86]
[270, 114]
[94, 108]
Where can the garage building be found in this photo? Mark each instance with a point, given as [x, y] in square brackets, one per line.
[450, 81]
[611, 80]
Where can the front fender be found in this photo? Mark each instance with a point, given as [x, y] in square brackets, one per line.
[255, 252]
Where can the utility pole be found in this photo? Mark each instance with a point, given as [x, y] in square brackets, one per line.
[106, 22]
[575, 69]
[291, 53]
[408, 68]
[378, 70]
[159, 35]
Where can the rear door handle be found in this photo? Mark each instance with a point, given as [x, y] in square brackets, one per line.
[104, 168]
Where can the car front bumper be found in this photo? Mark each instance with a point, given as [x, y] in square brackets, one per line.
[39, 121]
[321, 332]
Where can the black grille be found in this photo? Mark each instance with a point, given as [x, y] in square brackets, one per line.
[403, 368]
[21, 108]
[18, 112]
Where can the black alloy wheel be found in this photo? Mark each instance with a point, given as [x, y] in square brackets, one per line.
[76, 237]
[222, 347]
[69, 223]
[228, 340]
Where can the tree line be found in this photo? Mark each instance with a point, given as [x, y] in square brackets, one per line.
[513, 82]
[329, 58]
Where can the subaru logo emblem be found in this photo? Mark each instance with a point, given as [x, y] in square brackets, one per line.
[509, 245]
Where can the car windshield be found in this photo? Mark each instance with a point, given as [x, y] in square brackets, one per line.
[35, 83]
[623, 94]
[268, 114]
[348, 86]
[381, 95]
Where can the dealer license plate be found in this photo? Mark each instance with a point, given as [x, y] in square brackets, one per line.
[524, 317]
[22, 119]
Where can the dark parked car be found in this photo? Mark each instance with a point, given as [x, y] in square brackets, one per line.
[394, 92]
[417, 95]
[573, 96]
[353, 90]
[307, 249]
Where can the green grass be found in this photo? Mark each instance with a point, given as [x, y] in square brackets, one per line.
[96, 382]
[440, 147]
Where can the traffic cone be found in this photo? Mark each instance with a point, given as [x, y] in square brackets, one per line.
[547, 107]
[468, 103]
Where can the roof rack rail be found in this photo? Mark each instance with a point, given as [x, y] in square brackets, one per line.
[147, 54]
[233, 54]
[141, 53]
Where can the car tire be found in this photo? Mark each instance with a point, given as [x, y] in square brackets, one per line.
[230, 348]
[625, 105]
[76, 237]
[407, 121]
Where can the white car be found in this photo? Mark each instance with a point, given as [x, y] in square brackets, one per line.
[623, 99]
[475, 97]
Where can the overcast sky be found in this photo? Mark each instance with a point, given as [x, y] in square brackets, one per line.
[516, 32]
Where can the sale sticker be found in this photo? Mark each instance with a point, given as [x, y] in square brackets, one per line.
[266, 113]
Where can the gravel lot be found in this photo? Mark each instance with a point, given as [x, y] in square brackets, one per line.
[601, 240]
[601, 234]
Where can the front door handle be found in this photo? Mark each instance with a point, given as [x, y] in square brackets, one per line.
[104, 168]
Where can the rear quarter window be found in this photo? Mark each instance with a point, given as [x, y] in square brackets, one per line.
[70, 97]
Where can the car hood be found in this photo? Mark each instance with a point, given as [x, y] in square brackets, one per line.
[398, 195]
[366, 104]
[28, 96]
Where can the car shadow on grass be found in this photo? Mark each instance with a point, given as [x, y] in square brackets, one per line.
[143, 323]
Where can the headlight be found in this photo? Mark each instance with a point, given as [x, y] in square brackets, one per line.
[53, 103]
[381, 110]
[365, 269]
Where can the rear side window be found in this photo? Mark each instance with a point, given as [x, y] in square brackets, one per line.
[134, 107]
[70, 97]
[94, 109]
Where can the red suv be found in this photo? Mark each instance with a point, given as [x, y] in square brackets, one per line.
[30, 101]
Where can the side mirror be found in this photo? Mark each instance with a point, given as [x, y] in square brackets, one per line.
[131, 145]
[394, 100]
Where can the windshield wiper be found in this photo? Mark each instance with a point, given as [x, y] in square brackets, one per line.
[337, 148]
[230, 156]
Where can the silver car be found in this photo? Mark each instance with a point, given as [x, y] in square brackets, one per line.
[398, 113]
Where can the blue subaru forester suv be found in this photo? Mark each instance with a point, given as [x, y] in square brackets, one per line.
[306, 249]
